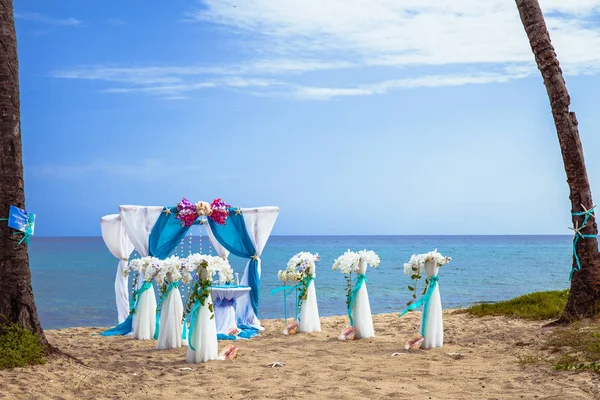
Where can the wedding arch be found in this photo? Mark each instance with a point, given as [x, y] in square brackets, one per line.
[157, 231]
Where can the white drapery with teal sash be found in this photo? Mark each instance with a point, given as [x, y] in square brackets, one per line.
[138, 222]
[118, 243]
[247, 231]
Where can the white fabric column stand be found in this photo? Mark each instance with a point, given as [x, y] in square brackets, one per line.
[309, 312]
[119, 244]
[204, 335]
[361, 311]
[144, 319]
[434, 326]
[138, 222]
[171, 328]
[259, 224]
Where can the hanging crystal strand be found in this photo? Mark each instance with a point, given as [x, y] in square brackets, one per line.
[190, 249]
[200, 230]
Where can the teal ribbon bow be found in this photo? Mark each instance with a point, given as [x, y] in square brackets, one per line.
[424, 301]
[578, 235]
[360, 279]
[133, 304]
[192, 317]
[172, 285]
[289, 289]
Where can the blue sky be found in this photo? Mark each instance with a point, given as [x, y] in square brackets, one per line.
[354, 117]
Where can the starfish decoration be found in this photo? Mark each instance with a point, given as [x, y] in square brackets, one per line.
[590, 211]
[238, 211]
[577, 229]
[276, 364]
[167, 210]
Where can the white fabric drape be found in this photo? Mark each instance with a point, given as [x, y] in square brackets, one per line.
[171, 327]
[309, 312]
[138, 222]
[221, 251]
[361, 311]
[118, 243]
[225, 315]
[259, 224]
[434, 326]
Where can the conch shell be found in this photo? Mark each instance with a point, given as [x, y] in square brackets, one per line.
[414, 344]
[291, 329]
[229, 352]
[348, 334]
[203, 209]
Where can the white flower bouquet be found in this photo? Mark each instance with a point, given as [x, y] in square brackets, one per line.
[349, 261]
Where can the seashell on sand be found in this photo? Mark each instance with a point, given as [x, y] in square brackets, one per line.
[233, 332]
[414, 344]
[348, 334]
[291, 329]
[229, 352]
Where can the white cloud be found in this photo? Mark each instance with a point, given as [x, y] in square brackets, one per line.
[291, 40]
[325, 93]
[36, 17]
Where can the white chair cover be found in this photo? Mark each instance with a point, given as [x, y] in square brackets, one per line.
[309, 312]
[434, 327]
[204, 335]
[119, 244]
[171, 327]
[361, 311]
[138, 222]
[259, 223]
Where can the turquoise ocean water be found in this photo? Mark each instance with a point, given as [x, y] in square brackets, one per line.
[73, 278]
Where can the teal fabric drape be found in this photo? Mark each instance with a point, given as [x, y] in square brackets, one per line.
[234, 236]
[166, 234]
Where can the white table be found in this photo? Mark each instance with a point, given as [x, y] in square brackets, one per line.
[224, 297]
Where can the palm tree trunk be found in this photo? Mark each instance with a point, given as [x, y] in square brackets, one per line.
[16, 295]
[584, 296]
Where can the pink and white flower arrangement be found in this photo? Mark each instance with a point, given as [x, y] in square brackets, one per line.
[220, 211]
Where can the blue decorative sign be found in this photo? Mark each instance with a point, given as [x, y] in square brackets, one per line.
[21, 220]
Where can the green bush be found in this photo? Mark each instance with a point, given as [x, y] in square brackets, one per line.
[19, 347]
[534, 306]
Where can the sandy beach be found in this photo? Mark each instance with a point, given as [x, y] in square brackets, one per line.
[316, 366]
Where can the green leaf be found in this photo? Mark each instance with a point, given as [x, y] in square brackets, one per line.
[415, 276]
[411, 288]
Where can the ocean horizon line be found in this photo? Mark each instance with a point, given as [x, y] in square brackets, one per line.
[358, 235]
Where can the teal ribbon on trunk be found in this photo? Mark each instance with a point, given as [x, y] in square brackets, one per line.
[423, 301]
[360, 279]
[578, 235]
[172, 285]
